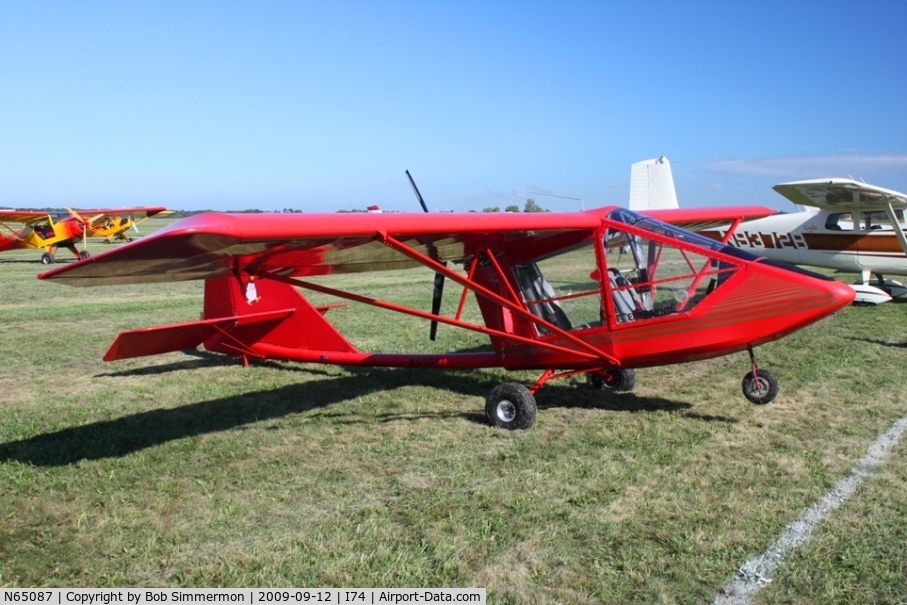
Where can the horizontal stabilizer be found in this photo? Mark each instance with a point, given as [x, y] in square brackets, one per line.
[183, 336]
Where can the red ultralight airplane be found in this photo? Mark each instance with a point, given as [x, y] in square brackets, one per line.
[597, 293]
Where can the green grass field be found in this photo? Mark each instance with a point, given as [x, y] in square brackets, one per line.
[187, 469]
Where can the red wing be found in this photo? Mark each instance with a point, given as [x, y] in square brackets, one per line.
[26, 217]
[214, 245]
[697, 219]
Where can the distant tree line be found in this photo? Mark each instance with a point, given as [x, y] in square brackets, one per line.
[530, 206]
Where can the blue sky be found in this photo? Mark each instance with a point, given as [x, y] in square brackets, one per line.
[321, 106]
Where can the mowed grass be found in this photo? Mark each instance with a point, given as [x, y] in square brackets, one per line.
[187, 469]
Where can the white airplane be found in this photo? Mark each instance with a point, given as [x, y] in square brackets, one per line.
[850, 226]
[840, 224]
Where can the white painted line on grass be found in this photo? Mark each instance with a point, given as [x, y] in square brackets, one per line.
[757, 572]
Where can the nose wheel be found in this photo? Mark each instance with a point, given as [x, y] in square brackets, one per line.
[759, 386]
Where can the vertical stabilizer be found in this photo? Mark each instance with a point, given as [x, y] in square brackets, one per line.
[652, 185]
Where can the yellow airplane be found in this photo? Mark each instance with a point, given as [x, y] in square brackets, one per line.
[49, 231]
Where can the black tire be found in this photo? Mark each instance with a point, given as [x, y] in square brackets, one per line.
[47, 259]
[85, 255]
[617, 380]
[761, 388]
[510, 406]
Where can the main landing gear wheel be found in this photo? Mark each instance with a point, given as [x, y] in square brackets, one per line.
[612, 380]
[85, 255]
[760, 388]
[510, 406]
[47, 259]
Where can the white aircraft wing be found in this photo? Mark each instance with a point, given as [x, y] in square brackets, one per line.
[847, 194]
[842, 194]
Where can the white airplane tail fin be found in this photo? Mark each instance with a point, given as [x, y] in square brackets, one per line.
[652, 185]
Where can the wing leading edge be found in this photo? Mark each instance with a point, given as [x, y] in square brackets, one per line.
[841, 194]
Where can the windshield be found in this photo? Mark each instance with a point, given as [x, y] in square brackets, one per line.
[663, 270]
[682, 235]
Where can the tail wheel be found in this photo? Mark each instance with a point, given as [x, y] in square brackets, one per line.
[510, 406]
[618, 380]
[760, 387]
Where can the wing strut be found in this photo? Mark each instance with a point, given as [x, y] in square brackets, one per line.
[898, 231]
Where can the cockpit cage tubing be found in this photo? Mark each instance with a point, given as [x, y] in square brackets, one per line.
[521, 299]
[668, 280]
[700, 275]
[481, 291]
[652, 235]
[570, 296]
[383, 304]
[609, 224]
[651, 267]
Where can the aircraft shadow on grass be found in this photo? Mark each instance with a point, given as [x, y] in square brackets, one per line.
[123, 436]
[16, 261]
[896, 345]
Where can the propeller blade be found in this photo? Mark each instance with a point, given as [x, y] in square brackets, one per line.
[436, 303]
[76, 215]
[439, 277]
[416, 191]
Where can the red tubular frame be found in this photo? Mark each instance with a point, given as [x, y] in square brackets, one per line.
[455, 360]
[515, 308]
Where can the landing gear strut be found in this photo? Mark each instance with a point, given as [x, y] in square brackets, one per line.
[759, 386]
